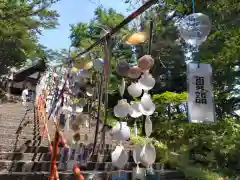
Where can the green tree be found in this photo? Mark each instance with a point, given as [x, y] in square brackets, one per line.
[84, 34]
[21, 22]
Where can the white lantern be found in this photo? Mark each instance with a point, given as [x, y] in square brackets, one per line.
[121, 131]
[135, 111]
[122, 87]
[148, 155]
[137, 158]
[134, 72]
[147, 107]
[119, 157]
[122, 109]
[147, 82]
[135, 90]
[137, 154]
[148, 126]
[146, 62]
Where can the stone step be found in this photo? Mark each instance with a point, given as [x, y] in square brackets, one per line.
[30, 166]
[28, 127]
[99, 175]
[37, 141]
[10, 136]
[30, 147]
[21, 131]
[16, 114]
[24, 148]
[15, 118]
[13, 127]
[36, 134]
[17, 156]
[22, 144]
[18, 142]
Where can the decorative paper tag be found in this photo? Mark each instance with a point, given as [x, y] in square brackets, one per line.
[200, 99]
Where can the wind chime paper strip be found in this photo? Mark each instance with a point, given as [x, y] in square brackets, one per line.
[200, 100]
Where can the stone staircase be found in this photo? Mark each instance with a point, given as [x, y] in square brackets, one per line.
[24, 154]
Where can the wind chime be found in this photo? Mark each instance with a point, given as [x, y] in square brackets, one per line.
[60, 102]
[194, 29]
[141, 83]
[59, 80]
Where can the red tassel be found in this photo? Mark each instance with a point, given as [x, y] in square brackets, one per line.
[50, 148]
[77, 172]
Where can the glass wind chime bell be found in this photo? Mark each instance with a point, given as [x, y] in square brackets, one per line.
[195, 28]
[120, 132]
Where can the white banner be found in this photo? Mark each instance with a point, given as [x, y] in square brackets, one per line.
[200, 93]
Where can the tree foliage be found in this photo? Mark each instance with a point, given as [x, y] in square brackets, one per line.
[85, 34]
[21, 22]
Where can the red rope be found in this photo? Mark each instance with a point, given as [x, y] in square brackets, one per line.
[54, 156]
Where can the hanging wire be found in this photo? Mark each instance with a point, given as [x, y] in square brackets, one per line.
[193, 6]
[98, 114]
[196, 48]
[150, 41]
[149, 53]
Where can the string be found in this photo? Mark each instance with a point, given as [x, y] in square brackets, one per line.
[196, 47]
[98, 113]
[193, 6]
[107, 75]
[149, 53]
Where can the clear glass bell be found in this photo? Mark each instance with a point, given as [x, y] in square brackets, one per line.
[195, 28]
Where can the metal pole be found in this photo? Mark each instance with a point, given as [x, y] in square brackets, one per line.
[107, 71]
[149, 53]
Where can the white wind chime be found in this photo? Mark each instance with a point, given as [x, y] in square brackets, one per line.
[142, 82]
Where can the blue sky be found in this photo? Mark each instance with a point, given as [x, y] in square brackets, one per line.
[72, 12]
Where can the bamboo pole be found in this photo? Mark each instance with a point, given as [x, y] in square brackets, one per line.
[54, 156]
